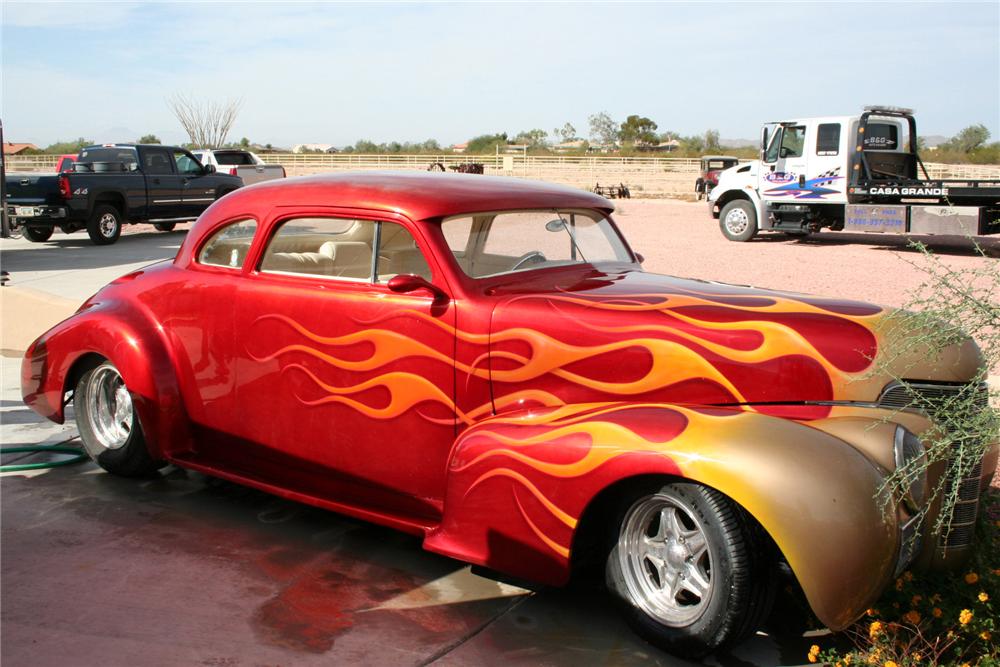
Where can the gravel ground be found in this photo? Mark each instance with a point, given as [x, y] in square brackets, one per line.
[681, 238]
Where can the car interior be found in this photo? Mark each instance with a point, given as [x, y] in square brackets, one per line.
[326, 247]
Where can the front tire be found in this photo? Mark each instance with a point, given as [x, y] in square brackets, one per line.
[164, 226]
[109, 425]
[689, 568]
[38, 234]
[105, 225]
[738, 220]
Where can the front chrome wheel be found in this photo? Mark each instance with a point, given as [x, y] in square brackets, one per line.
[109, 408]
[665, 560]
[737, 221]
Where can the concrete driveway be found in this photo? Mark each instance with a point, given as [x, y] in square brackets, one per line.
[184, 569]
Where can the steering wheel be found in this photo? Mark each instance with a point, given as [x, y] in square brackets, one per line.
[527, 257]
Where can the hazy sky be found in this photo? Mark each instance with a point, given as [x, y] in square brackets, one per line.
[336, 73]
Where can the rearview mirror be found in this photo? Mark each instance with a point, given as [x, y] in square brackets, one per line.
[209, 168]
[556, 225]
[404, 283]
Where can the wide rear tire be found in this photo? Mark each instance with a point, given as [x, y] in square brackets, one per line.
[738, 220]
[109, 425]
[690, 568]
[105, 225]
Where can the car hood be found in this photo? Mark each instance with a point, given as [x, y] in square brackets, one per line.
[632, 335]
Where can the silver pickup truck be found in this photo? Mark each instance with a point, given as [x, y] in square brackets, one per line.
[240, 163]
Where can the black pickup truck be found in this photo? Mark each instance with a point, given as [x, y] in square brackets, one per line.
[113, 184]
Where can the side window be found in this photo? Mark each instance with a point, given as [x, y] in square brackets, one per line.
[828, 139]
[229, 246]
[328, 247]
[157, 162]
[398, 253]
[186, 164]
[792, 141]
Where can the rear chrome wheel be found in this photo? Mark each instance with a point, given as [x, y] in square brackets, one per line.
[109, 424]
[109, 407]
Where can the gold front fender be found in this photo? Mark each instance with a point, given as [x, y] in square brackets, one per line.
[812, 492]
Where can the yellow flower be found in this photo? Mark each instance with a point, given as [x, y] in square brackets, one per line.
[971, 578]
[814, 649]
[915, 600]
[917, 657]
[912, 616]
[965, 664]
[812, 657]
[890, 663]
[935, 612]
[874, 629]
[847, 659]
[964, 616]
[985, 635]
[983, 597]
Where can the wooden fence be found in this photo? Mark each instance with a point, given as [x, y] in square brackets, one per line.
[649, 176]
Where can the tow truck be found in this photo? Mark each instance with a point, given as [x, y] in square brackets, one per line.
[851, 173]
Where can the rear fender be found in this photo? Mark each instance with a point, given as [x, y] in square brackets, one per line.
[519, 483]
[134, 344]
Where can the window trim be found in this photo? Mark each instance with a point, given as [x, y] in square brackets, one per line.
[372, 278]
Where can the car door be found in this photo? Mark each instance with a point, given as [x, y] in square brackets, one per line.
[197, 185]
[342, 384]
[784, 169]
[164, 186]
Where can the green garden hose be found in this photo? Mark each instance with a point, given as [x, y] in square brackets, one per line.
[78, 456]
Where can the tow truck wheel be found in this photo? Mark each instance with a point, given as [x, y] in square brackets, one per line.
[738, 220]
[105, 225]
[38, 234]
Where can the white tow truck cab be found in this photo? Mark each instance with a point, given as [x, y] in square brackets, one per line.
[856, 173]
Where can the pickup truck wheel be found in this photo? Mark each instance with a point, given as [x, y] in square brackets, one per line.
[164, 226]
[38, 234]
[738, 220]
[108, 424]
[689, 568]
[105, 225]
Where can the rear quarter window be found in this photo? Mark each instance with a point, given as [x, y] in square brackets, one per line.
[229, 246]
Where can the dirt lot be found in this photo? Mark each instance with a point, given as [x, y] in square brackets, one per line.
[681, 238]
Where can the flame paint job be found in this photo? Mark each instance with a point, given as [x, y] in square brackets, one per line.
[489, 423]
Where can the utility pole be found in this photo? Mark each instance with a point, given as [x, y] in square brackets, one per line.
[4, 222]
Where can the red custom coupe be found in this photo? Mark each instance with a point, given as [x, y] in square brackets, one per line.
[484, 363]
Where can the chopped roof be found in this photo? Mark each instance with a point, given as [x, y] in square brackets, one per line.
[416, 194]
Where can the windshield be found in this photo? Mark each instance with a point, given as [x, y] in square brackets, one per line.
[491, 244]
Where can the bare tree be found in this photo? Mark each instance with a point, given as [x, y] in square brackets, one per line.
[206, 123]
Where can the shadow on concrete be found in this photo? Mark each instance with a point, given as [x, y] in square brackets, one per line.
[68, 253]
[941, 245]
[187, 569]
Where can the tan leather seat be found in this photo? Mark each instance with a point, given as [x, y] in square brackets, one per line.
[351, 259]
[312, 263]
